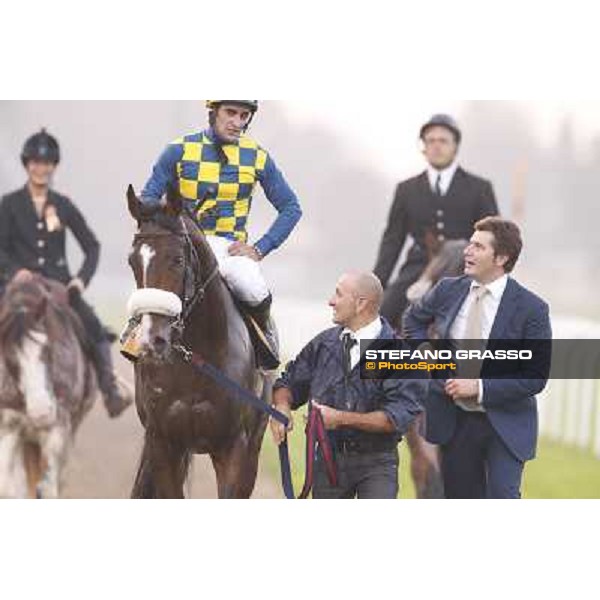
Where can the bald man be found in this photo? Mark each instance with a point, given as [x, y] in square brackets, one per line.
[365, 419]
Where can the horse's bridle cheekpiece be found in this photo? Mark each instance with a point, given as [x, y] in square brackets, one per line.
[152, 301]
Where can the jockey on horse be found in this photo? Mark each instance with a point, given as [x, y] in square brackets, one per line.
[215, 171]
[33, 224]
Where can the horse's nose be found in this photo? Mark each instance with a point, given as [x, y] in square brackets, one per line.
[160, 344]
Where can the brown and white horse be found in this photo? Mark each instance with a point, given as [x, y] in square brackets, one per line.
[47, 385]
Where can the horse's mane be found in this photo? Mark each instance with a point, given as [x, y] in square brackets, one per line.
[175, 222]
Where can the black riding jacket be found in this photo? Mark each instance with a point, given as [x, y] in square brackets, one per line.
[39, 243]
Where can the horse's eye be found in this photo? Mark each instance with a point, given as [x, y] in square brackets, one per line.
[178, 261]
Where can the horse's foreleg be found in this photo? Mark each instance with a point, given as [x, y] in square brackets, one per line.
[237, 467]
[162, 471]
[32, 455]
[13, 478]
[54, 445]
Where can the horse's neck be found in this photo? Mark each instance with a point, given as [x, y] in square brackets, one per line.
[208, 327]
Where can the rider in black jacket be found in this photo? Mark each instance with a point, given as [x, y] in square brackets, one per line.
[444, 202]
[33, 225]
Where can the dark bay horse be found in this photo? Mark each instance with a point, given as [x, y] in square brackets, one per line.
[181, 298]
[47, 385]
[446, 259]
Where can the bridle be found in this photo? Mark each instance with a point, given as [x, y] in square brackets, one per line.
[194, 289]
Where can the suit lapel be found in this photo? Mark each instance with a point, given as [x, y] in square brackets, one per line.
[455, 308]
[455, 184]
[505, 310]
[425, 190]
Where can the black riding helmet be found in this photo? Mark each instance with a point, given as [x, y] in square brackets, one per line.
[41, 146]
[442, 121]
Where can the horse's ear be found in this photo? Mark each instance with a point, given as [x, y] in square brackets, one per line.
[133, 203]
[174, 201]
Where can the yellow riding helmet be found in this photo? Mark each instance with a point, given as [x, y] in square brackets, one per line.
[251, 104]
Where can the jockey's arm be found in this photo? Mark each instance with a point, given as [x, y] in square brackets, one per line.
[285, 201]
[87, 241]
[163, 175]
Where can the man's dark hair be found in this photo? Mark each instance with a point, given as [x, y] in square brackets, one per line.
[507, 239]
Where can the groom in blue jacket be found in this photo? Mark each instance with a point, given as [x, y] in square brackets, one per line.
[487, 428]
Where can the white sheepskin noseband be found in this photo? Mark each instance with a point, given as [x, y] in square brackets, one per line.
[154, 302]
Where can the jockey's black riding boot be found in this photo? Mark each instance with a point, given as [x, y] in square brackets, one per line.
[115, 400]
[267, 342]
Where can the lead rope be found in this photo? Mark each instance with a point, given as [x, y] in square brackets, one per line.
[245, 397]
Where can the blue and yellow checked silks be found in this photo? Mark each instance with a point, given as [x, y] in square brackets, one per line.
[220, 180]
[223, 190]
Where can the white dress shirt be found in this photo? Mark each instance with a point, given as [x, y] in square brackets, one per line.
[491, 303]
[447, 175]
[372, 331]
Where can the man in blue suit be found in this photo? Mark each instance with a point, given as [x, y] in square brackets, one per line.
[486, 428]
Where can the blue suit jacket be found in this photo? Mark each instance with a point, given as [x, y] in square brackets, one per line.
[510, 403]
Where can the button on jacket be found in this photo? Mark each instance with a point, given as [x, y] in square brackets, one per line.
[39, 243]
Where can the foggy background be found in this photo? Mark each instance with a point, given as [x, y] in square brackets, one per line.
[344, 165]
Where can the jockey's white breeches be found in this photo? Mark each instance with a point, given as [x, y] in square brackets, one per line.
[243, 275]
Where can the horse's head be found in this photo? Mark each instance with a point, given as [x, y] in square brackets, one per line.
[169, 259]
[23, 306]
[24, 313]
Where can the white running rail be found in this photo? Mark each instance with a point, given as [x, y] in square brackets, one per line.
[570, 408]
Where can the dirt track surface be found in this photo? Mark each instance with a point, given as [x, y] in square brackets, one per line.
[105, 454]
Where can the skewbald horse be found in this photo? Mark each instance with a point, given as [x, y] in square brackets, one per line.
[47, 385]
